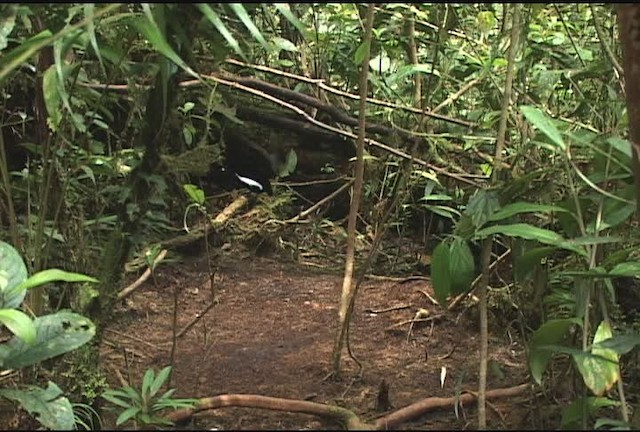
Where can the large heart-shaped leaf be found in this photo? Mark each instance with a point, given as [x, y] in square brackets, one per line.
[48, 406]
[12, 273]
[56, 334]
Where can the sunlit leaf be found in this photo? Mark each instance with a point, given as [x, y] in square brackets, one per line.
[544, 124]
[19, 324]
[54, 275]
[600, 375]
[195, 193]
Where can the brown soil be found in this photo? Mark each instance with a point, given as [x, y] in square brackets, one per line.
[271, 333]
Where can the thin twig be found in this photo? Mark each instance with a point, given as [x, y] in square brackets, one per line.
[197, 318]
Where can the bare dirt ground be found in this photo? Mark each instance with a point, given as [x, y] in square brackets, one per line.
[272, 331]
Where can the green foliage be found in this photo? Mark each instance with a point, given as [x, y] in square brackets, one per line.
[38, 340]
[48, 405]
[144, 405]
[566, 194]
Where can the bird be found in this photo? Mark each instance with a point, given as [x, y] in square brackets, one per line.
[258, 185]
[245, 165]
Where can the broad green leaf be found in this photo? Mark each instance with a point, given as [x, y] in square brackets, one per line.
[114, 400]
[413, 69]
[486, 21]
[523, 207]
[525, 263]
[9, 61]
[572, 415]
[54, 275]
[60, 49]
[461, 266]
[214, 19]
[544, 124]
[19, 324]
[53, 99]
[549, 333]
[12, 273]
[530, 232]
[622, 344]
[56, 334]
[167, 394]
[241, 12]
[598, 374]
[440, 272]
[127, 414]
[616, 214]
[361, 52]
[593, 240]
[49, 407]
[481, 206]
[89, 10]
[195, 193]
[160, 380]
[147, 381]
[18, 56]
[525, 231]
[464, 227]
[284, 44]
[444, 211]
[622, 145]
[626, 269]
[152, 33]
[613, 424]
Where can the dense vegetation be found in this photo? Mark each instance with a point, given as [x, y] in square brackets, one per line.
[495, 158]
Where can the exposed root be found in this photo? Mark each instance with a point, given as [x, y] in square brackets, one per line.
[348, 419]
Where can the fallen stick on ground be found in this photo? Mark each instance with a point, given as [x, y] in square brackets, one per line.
[134, 286]
[338, 414]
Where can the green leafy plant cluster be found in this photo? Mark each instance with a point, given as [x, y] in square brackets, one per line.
[588, 219]
[145, 405]
[39, 339]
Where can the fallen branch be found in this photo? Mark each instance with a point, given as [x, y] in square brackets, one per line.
[229, 211]
[345, 417]
[424, 406]
[134, 286]
[341, 415]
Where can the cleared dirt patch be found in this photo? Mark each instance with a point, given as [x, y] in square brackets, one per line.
[271, 333]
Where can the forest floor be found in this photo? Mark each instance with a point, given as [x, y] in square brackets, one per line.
[271, 333]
